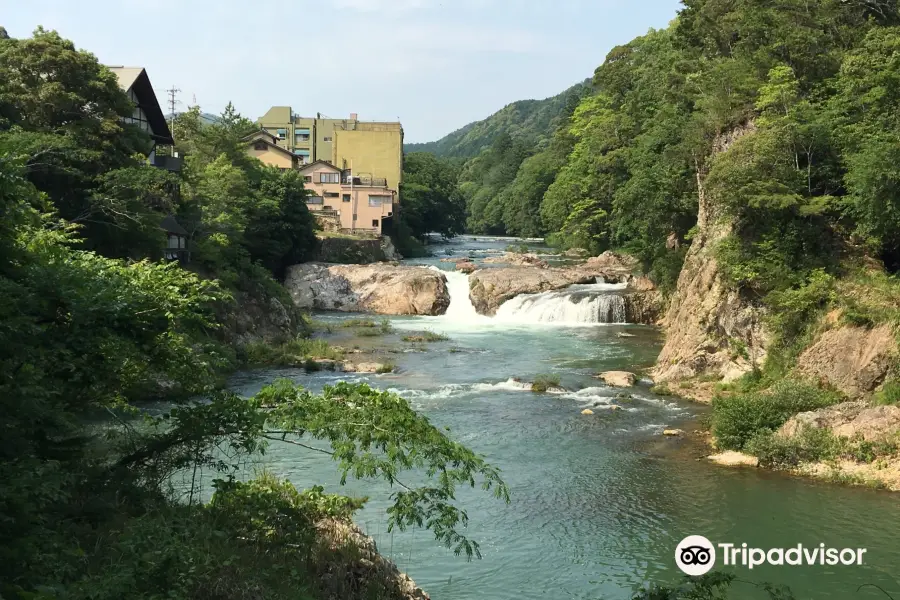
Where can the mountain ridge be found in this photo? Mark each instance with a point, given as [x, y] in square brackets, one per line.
[531, 121]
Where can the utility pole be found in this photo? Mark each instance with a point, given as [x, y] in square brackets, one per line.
[172, 102]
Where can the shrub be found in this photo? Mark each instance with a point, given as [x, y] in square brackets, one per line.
[293, 353]
[815, 445]
[544, 382]
[810, 445]
[386, 367]
[736, 419]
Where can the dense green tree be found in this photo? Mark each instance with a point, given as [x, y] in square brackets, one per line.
[61, 111]
[432, 202]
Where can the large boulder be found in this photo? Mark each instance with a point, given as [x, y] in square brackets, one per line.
[848, 419]
[383, 289]
[618, 378]
[854, 360]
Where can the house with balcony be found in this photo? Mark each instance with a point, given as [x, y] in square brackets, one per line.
[362, 203]
[148, 116]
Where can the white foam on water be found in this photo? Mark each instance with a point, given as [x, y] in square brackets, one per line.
[575, 305]
[510, 385]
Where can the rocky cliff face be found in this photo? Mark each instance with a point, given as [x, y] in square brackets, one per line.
[710, 328]
[379, 288]
[854, 360]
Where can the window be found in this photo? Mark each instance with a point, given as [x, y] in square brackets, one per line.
[331, 194]
[374, 222]
[329, 177]
[346, 198]
[259, 146]
[282, 133]
[307, 179]
[379, 200]
[315, 200]
[326, 139]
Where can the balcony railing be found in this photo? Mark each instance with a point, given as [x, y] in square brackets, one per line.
[169, 163]
[366, 181]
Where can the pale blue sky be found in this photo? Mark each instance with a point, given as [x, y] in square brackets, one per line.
[435, 64]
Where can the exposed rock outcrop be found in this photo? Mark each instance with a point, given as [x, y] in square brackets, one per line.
[644, 307]
[848, 419]
[517, 259]
[613, 266]
[730, 458]
[379, 288]
[350, 566]
[489, 288]
[711, 328]
[855, 360]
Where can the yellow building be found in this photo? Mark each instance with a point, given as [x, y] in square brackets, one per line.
[369, 151]
[261, 144]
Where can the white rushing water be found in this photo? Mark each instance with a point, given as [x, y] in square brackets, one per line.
[576, 305]
[461, 309]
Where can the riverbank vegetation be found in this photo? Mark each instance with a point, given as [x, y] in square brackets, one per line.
[101, 499]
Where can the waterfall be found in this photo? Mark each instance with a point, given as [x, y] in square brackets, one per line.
[578, 304]
[575, 305]
[460, 308]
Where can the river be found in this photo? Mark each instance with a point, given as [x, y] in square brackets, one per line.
[598, 502]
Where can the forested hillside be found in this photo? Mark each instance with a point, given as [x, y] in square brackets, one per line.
[528, 121]
[818, 84]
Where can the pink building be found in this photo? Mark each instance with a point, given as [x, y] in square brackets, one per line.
[360, 201]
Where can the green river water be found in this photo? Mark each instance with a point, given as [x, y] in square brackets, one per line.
[599, 502]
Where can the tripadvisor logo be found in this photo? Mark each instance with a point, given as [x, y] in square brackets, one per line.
[696, 555]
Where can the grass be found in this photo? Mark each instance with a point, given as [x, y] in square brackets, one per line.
[358, 323]
[321, 326]
[889, 393]
[425, 336]
[544, 382]
[869, 298]
[297, 352]
[368, 327]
